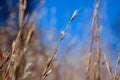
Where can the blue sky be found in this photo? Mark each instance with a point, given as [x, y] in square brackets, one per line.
[55, 15]
[58, 12]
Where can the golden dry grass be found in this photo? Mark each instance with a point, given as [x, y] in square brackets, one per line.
[21, 59]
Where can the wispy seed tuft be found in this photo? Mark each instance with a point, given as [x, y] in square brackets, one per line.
[74, 15]
[62, 34]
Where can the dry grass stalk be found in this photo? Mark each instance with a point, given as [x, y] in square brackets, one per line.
[18, 46]
[91, 50]
[97, 41]
[108, 66]
[17, 53]
[11, 64]
[16, 43]
[27, 72]
[94, 19]
[30, 33]
[116, 76]
[22, 8]
[94, 69]
[50, 62]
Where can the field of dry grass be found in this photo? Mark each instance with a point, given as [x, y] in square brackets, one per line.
[23, 58]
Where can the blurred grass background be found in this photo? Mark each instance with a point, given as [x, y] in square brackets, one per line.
[51, 17]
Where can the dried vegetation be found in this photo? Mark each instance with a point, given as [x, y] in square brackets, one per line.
[22, 59]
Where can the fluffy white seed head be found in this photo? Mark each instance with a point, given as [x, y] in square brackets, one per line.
[13, 57]
[26, 74]
[62, 34]
[49, 71]
[74, 15]
[27, 66]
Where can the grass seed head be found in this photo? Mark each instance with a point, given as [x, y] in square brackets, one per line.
[62, 34]
[74, 15]
[27, 74]
[49, 71]
[27, 66]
